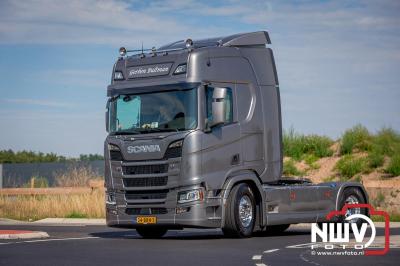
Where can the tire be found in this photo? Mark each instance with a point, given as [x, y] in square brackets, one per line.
[357, 195]
[240, 224]
[151, 232]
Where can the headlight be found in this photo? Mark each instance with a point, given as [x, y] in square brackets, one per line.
[118, 75]
[115, 153]
[112, 147]
[176, 144]
[190, 195]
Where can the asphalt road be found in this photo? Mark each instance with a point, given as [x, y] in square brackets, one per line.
[99, 245]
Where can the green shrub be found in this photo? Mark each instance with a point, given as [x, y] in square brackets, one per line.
[75, 214]
[387, 141]
[357, 137]
[296, 145]
[395, 217]
[38, 182]
[394, 165]
[290, 169]
[375, 159]
[348, 166]
[311, 161]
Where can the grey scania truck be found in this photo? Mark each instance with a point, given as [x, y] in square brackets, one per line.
[195, 140]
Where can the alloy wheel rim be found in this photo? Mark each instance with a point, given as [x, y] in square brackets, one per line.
[352, 200]
[245, 211]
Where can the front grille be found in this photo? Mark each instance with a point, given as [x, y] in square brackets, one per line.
[146, 195]
[146, 181]
[145, 211]
[145, 169]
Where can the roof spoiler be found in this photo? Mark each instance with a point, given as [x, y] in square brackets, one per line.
[247, 39]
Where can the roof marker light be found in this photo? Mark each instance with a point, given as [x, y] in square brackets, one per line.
[122, 51]
[189, 43]
[153, 51]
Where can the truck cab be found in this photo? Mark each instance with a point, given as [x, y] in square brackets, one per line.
[195, 140]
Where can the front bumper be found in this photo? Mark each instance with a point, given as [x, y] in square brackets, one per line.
[203, 214]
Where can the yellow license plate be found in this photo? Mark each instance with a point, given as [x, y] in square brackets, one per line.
[146, 220]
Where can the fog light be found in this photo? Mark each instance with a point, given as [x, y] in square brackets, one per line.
[180, 210]
[190, 195]
[110, 198]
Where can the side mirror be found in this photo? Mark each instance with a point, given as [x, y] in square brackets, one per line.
[218, 107]
[107, 116]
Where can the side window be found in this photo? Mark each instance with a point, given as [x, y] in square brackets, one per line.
[228, 103]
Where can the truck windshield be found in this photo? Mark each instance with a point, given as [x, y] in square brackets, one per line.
[153, 112]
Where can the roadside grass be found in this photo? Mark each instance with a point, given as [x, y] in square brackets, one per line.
[77, 176]
[394, 217]
[26, 208]
[375, 159]
[311, 161]
[290, 169]
[75, 214]
[387, 142]
[348, 166]
[394, 166]
[37, 182]
[358, 137]
[297, 145]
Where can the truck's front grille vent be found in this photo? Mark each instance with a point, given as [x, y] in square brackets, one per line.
[145, 169]
[145, 211]
[146, 181]
[173, 153]
[146, 195]
[116, 156]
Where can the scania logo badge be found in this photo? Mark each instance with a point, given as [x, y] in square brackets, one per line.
[143, 148]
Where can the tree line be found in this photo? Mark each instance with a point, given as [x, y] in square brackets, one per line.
[9, 156]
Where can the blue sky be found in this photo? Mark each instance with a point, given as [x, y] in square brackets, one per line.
[338, 61]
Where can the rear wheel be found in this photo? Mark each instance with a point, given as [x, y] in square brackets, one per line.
[240, 212]
[151, 232]
[350, 195]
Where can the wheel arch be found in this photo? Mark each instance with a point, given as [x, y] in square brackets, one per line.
[344, 186]
[250, 178]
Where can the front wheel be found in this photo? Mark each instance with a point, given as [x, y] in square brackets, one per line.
[240, 212]
[151, 232]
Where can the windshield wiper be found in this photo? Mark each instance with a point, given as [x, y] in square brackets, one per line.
[126, 133]
[148, 130]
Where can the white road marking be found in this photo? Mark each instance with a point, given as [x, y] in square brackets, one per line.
[271, 250]
[260, 264]
[256, 257]
[306, 260]
[51, 239]
[305, 245]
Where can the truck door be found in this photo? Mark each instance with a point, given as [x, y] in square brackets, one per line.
[221, 146]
